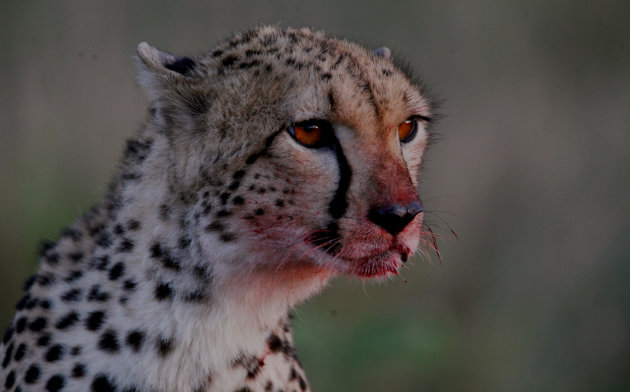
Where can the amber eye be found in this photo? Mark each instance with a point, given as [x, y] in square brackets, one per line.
[407, 130]
[312, 133]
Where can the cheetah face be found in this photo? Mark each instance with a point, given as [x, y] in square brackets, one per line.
[313, 147]
[339, 197]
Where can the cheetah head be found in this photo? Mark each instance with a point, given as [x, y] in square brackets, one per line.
[299, 149]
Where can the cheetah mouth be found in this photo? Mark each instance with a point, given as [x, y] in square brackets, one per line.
[379, 263]
[358, 261]
[377, 266]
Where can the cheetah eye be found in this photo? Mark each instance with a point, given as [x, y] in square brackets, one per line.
[312, 133]
[407, 129]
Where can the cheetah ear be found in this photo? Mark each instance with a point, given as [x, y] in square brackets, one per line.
[158, 70]
[163, 62]
[383, 52]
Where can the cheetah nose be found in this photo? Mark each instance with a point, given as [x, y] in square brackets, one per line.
[394, 218]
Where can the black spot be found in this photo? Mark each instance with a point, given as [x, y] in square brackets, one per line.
[72, 295]
[19, 353]
[163, 291]
[10, 381]
[52, 258]
[7, 334]
[104, 241]
[259, 211]
[234, 185]
[29, 282]
[76, 350]
[75, 256]
[100, 263]
[164, 346]
[183, 66]
[7, 356]
[70, 232]
[67, 321]
[46, 279]
[126, 246]
[21, 324]
[249, 64]
[78, 370]
[55, 383]
[96, 229]
[169, 262]
[38, 324]
[74, 275]
[238, 174]
[43, 340]
[118, 229]
[223, 213]
[228, 60]
[44, 247]
[102, 383]
[227, 237]
[117, 271]
[201, 272]
[215, 226]
[96, 294]
[95, 320]
[133, 225]
[326, 76]
[156, 250]
[108, 341]
[135, 339]
[32, 374]
[224, 197]
[129, 285]
[22, 302]
[137, 149]
[183, 242]
[280, 203]
[217, 53]
[238, 200]
[45, 304]
[54, 353]
[274, 342]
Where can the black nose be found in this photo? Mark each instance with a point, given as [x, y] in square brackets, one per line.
[394, 218]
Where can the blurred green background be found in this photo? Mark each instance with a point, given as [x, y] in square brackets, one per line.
[532, 171]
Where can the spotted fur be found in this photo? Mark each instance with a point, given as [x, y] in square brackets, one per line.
[219, 221]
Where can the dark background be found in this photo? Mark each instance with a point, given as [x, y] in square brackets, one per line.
[532, 171]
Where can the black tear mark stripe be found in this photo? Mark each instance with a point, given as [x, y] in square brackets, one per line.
[339, 203]
[328, 240]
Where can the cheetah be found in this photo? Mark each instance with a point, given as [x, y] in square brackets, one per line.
[268, 165]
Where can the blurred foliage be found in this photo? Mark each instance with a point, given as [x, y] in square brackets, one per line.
[532, 170]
